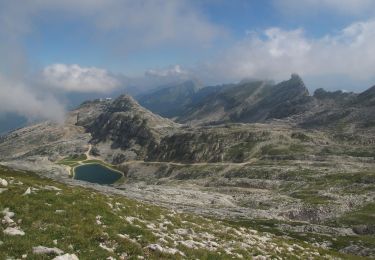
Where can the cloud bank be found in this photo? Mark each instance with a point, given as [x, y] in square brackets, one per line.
[175, 70]
[119, 26]
[275, 53]
[73, 78]
[16, 97]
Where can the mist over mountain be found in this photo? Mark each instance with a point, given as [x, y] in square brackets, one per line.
[161, 129]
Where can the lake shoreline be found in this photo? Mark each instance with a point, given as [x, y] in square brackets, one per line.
[103, 178]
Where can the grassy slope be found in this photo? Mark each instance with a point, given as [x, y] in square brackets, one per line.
[77, 231]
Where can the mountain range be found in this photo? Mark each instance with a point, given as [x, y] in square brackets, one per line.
[257, 153]
[261, 101]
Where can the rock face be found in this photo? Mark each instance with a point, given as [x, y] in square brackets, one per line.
[126, 125]
[255, 101]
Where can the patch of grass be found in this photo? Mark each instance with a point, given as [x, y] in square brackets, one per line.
[283, 150]
[349, 151]
[310, 197]
[240, 152]
[362, 216]
[73, 160]
[301, 136]
[99, 162]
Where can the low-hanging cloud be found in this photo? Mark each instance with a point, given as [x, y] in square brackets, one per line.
[172, 71]
[275, 53]
[16, 97]
[74, 78]
[121, 26]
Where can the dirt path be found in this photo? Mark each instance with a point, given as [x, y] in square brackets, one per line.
[88, 156]
[196, 164]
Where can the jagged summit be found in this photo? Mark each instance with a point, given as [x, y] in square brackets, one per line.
[254, 101]
[297, 78]
[124, 103]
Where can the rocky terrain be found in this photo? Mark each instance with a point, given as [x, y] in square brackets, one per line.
[44, 219]
[257, 155]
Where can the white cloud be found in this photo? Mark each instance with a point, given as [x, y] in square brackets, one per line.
[16, 97]
[172, 71]
[125, 24]
[276, 53]
[119, 26]
[73, 78]
[347, 7]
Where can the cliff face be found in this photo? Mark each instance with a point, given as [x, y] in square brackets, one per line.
[124, 121]
[256, 101]
[125, 125]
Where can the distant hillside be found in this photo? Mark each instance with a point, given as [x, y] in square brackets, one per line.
[170, 101]
[340, 111]
[263, 101]
[254, 101]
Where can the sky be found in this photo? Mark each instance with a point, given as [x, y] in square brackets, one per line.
[53, 50]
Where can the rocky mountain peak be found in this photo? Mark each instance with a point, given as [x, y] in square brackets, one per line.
[124, 103]
[295, 82]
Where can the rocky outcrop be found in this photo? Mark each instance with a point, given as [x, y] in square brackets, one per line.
[126, 125]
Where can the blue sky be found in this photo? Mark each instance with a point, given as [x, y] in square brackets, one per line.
[72, 39]
[58, 38]
[54, 49]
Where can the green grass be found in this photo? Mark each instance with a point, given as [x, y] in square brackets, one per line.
[283, 149]
[311, 197]
[72, 159]
[362, 216]
[99, 162]
[240, 152]
[76, 230]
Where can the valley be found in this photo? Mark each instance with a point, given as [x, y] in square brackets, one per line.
[269, 157]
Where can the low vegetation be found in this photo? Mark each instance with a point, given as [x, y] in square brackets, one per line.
[94, 225]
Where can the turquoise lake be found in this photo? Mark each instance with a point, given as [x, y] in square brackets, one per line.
[96, 173]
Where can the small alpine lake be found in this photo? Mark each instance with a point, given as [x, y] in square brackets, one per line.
[96, 173]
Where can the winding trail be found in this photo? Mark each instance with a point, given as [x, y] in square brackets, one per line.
[195, 164]
[88, 156]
